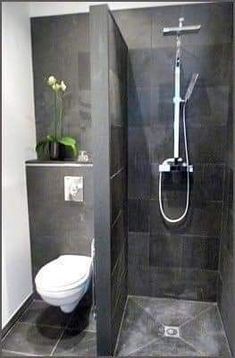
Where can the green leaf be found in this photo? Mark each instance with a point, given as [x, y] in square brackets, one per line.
[69, 140]
[42, 149]
[51, 138]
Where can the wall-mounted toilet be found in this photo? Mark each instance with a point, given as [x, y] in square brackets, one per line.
[64, 281]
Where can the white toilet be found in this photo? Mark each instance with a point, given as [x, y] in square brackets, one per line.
[63, 281]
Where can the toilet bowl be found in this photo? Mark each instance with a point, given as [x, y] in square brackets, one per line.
[63, 281]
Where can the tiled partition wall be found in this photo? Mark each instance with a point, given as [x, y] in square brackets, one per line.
[109, 125]
[176, 260]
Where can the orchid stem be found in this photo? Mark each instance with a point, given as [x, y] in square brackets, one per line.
[55, 102]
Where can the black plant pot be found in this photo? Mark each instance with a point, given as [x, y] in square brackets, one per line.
[54, 151]
[66, 153]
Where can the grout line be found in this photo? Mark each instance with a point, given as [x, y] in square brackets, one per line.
[144, 346]
[176, 299]
[149, 314]
[17, 320]
[155, 233]
[223, 221]
[10, 330]
[192, 346]
[193, 318]
[118, 172]
[117, 218]
[226, 338]
[58, 341]
[20, 353]
[120, 328]
[176, 269]
[41, 325]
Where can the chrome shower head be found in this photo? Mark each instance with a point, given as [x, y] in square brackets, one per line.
[191, 86]
[180, 30]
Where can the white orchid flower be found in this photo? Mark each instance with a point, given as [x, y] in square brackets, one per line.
[63, 86]
[56, 87]
[51, 80]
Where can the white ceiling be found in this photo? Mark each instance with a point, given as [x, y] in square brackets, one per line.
[62, 7]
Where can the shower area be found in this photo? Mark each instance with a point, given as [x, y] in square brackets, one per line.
[161, 95]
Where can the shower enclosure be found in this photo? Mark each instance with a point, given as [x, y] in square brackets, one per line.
[176, 163]
[138, 251]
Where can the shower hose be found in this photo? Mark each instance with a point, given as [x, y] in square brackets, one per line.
[167, 218]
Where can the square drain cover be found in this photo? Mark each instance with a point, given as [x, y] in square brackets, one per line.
[171, 331]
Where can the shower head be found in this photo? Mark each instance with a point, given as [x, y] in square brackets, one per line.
[191, 86]
[180, 30]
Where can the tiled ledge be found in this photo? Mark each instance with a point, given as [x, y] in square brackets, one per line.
[40, 163]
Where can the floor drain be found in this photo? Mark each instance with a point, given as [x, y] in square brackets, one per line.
[171, 332]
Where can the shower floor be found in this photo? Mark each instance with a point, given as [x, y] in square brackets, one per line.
[168, 327]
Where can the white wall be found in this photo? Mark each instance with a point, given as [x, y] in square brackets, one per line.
[18, 132]
[48, 8]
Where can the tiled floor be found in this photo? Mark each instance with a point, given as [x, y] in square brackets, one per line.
[45, 330]
[148, 323]
[151, 327]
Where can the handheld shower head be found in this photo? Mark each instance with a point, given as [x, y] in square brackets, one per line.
[191, 86]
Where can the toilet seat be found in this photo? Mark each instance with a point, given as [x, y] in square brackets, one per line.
[64, 273]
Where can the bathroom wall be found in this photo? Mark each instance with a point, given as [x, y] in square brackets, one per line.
[176, 260]
[57, 226]
[18, 142]
[109, 114]
[226, 286]
[61, 47]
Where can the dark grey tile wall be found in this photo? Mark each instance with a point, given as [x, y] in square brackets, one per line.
[226, 282]
[176, 260]
[109, 113]
[57, 226]
[61, 47]
[99, 46]
[118, 174]
[161, 259]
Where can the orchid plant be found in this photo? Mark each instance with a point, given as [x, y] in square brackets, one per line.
[58, 88]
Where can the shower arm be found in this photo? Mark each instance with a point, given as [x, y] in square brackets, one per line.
[177, 100]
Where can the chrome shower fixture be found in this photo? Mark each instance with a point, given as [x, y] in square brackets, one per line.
[176, 163]
[178, 31]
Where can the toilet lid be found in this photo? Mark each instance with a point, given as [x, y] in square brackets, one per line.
[64, 272]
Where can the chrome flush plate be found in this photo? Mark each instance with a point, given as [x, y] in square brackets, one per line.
[73, 188]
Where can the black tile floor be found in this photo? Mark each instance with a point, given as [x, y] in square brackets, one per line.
[167, 327]
[151, 327]
[45, 330]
